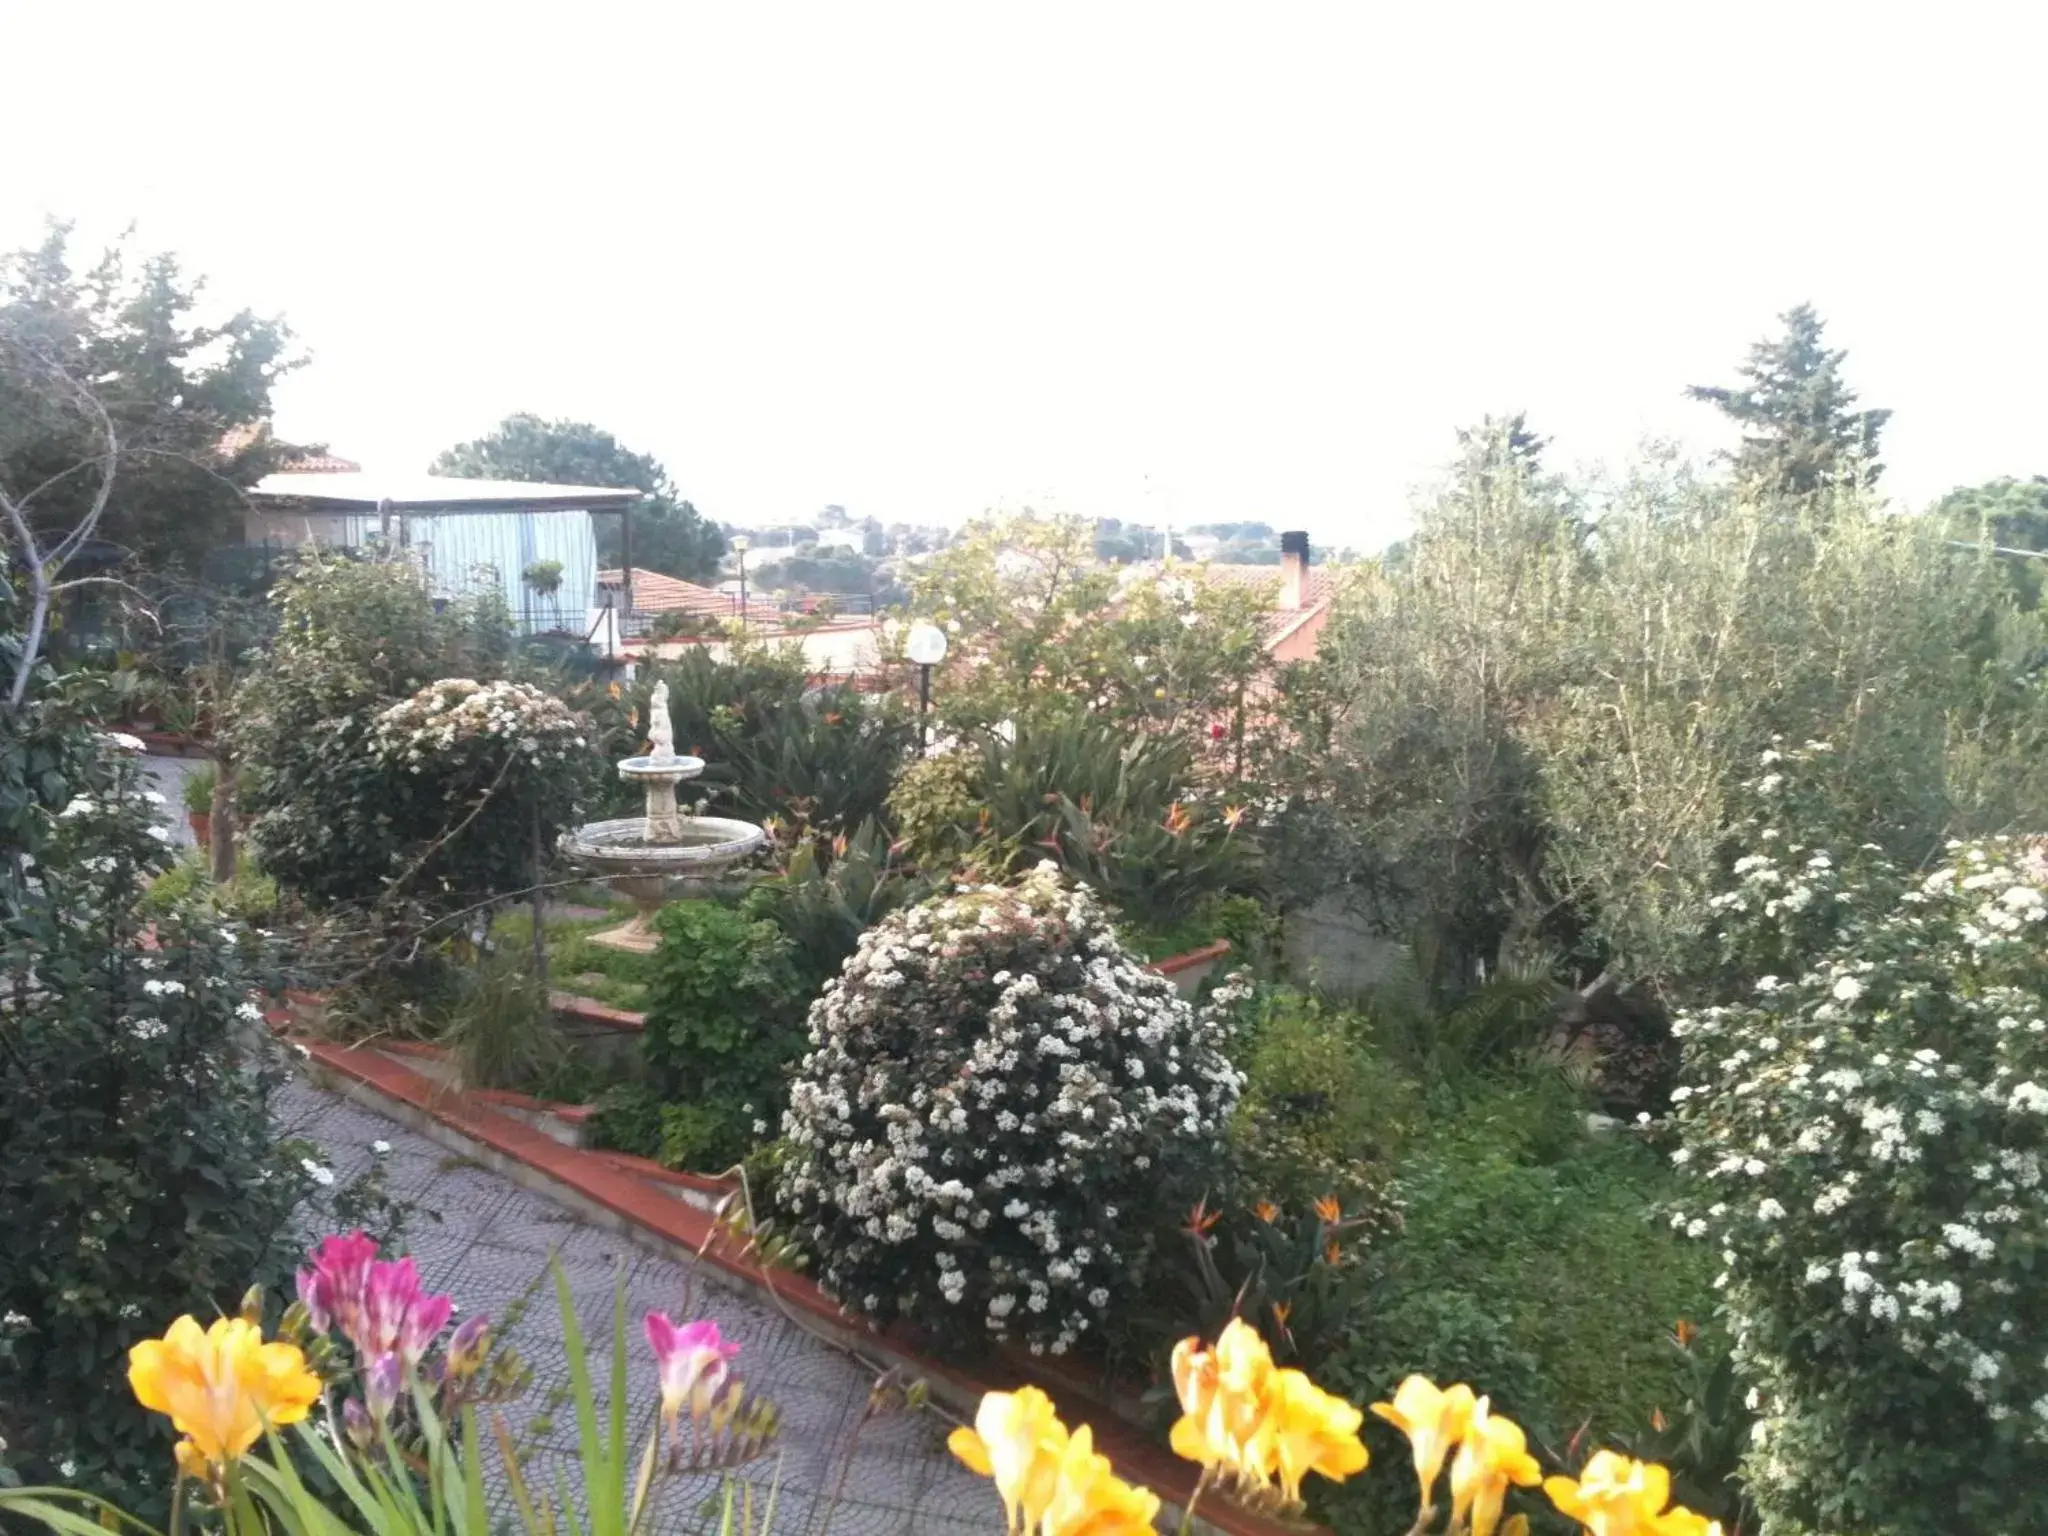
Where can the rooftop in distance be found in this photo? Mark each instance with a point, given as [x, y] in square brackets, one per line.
[366, 491]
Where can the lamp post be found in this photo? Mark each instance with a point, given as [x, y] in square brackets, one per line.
[739, 547]
[925, 645]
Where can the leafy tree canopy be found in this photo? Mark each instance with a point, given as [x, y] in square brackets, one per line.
[2009, 514]
[186, 401]
[1800, 431]
[669, 535]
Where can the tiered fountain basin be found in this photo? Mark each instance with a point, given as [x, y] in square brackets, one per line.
[663, 855]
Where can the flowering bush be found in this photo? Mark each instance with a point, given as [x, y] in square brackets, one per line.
[475, 775]
[998, 1109]
[1866, 1135]
[458, 715]
[354, 638]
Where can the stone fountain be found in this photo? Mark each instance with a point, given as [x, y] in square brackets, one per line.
[664, 853]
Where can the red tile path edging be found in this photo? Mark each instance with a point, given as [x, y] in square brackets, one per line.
[569, 1006]
[1173, 965]
[622, 1185]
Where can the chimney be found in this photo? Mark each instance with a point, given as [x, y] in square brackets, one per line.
[1293, 569]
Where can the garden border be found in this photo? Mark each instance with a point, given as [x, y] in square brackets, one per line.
[674, 1213]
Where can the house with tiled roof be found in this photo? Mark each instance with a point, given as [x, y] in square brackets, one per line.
[846, 645]
[655, 593]
[1302, 596]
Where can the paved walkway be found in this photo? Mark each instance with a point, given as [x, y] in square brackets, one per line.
[167, 776]
[492, 1241]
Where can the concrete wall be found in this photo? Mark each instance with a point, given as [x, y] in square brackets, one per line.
[1335, 948]
[837, 648]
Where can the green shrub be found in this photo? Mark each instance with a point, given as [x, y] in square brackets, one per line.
[1252, 931]
[1321, 1113]
[723, 1025]
[627, 1118]
[1527, 1265]
[1126, 812]
[251, 896]
[354, 638]
[824, 907]
[1864, 1145]
[1000, 1111]
[500, 1031]
[140, 1173]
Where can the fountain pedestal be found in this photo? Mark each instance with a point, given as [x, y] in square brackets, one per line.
[664, 853]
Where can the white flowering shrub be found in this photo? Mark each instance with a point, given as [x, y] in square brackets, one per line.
[340, 810]
[1864, 1136]
[472, 775]
[999, 1112]
[457, 716]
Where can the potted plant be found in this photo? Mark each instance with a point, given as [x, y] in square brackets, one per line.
[199, 803]
[543, 578]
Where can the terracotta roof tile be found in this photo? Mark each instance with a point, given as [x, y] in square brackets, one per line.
[656, 593]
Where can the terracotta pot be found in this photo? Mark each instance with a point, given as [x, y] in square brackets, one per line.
[202, 827]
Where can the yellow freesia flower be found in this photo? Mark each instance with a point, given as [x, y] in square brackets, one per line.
[1619, 1496]
[1225, 1400]
[1019, 1441]
[1257, 1425]
[1680, 1521]
[1312, 1431]
[221, 1386]
[1493, 1453]
[1052, 1483]
[1092, 1500]
[1434, 1420]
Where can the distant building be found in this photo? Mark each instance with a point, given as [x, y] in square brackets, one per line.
[463, 532]
[836, 645]
[1303, 596]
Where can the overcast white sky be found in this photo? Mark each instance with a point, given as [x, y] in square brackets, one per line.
[920, 260]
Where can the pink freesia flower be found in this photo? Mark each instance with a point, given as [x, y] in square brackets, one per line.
[332, 1288]
[377, 1304]
[693, 1363]
[398, 1315]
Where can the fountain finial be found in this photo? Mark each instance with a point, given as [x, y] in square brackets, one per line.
[661, 734]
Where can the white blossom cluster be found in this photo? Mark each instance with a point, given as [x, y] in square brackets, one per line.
[1865, 1141]
[458, 710]
[997, 1107]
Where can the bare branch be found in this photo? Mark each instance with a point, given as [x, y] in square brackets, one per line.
[44, 565]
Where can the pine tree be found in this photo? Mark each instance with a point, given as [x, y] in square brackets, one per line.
[1800, 433]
